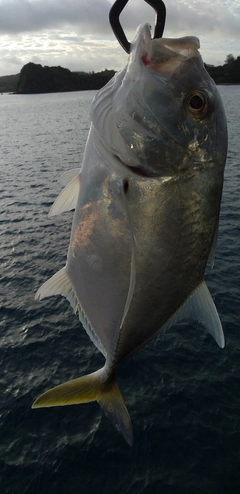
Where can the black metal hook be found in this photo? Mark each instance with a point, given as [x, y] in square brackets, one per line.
[116, 10]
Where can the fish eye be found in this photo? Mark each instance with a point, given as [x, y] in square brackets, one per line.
[197, 104]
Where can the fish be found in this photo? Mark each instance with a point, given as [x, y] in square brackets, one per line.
[147, 201]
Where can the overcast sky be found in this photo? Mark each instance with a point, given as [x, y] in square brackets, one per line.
[76, 33]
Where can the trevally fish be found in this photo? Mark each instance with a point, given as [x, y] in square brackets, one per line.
[147, 202]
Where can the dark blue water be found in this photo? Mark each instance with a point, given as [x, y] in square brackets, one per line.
[182, 392]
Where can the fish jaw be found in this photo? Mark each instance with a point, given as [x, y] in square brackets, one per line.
[163, 55]
[144, 116]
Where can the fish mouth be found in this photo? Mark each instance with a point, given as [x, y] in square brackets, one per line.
[164, 55]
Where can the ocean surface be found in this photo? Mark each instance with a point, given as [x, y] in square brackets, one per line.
[182, 392]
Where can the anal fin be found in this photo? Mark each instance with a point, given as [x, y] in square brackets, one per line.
[60, 284]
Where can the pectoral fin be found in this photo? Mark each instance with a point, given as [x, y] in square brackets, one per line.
[67, 199]
[68, 176]
[92, 387]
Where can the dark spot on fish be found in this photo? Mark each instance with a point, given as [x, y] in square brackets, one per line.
[125, 186]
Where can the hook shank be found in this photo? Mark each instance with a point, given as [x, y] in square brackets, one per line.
[116, 10]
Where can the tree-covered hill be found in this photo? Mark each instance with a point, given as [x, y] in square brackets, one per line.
[8, 83]
[229, 73]
[37, 79]
[34, 78]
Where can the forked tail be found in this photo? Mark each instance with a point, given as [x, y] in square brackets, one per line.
[92, 387]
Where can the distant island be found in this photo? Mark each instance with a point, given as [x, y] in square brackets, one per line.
[34, 78]
[229, 73]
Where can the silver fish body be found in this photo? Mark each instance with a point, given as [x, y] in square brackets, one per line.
[147, 202]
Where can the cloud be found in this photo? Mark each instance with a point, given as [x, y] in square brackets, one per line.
[91, 16]
[75, 52]
[19, 16]
[76, 33]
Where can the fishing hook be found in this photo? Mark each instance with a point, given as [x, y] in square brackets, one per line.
[116, 10]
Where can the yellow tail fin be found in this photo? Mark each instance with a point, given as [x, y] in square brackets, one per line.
[92, 387]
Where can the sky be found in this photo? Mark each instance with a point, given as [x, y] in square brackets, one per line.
[76, 34]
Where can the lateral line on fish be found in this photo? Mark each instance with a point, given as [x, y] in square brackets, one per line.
[132, 280]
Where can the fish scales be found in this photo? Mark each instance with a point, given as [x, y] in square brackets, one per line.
[147, 202]
[169, 268]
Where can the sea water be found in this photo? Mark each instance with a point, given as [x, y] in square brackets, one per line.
[182, 392]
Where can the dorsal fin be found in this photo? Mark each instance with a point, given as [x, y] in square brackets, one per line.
[200, 307]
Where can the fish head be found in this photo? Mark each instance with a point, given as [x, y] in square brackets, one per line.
[167, 111]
